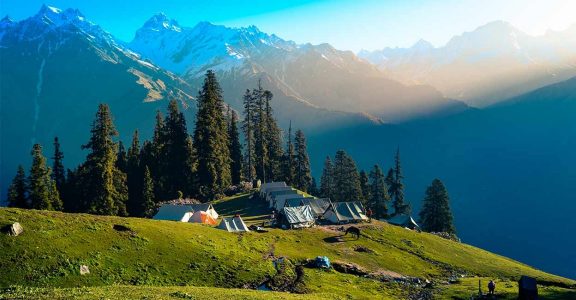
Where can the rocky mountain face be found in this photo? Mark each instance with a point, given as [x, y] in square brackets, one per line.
[56, 68]
[494, 62]
[299, 75]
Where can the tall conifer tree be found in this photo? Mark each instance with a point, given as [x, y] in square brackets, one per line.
[148, 205]
[273, 141]
[303, 174]
[397, 188]
[102, 183]
[289, 161]
[436, 215]
[248, 128]
[211, 140]
[42, 188]
[379, 197]
[134, 178]
[18, 190]
[260, 134]
[58, 173]
[235, 149]
[327, 179]
[346, 179]
[364, 187]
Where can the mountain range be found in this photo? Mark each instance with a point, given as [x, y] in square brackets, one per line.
[56, 66]
[494, 62]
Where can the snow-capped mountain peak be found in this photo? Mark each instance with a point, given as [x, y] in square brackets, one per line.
[422, 44]
[160, 22]
[55, 16]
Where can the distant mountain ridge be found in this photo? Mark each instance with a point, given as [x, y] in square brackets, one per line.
[496, 61]
[319, 75]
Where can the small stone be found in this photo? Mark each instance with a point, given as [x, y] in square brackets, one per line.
[84, 270]
[15, 229]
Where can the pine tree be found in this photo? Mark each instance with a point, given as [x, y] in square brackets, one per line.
[397, 188]
[273, 141]
[153, 155]
[134, 178]
[121, 158]
[436, 215]
[211, 140]
[235, 149]
[58, 173]
[288, 161]
[72, 194]
[327, 179]
[101, 181]
[346, 179]
[260, 134]
[364, 187]
[303, 177]
[379, 197]
[18, 190]
[42, 189]
[148, 205]
[313, 189]
[248, 128]
[389, 180]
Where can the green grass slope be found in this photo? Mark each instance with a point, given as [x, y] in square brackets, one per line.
[164, 259]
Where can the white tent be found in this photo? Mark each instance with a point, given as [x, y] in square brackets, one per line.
[205, 207]
[280, 201]
[174, 212]
[265, 187]
[274, 196]
[299, 216]
[403, 221]
[345, 212]
[233, 224]
[319, 206]
[271, 192]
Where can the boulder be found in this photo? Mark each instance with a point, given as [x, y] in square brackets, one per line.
[84, 270]
[15, 229]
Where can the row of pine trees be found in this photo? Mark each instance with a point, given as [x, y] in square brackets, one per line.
[128, 182]
[341, 181]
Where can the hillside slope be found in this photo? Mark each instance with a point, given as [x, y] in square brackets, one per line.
[161, 253]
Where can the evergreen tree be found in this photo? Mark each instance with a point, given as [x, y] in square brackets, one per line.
[379, 197]
[103, 184]
[72, 193]
[303, 177]
[346, 179]
[273, 141]
[176, 157]
[153, 155]
[58, 167]
[390, 181]
[134, 178]
[42, 189]
[260, 134]
[248, 128]
[313, 189]
[288, 162]
[436, 215]
[17, 192]
[211, 140]
[397, 188]
[327, 179]
[148, 206]
[235, 149]
[122, 158]
[364, 187]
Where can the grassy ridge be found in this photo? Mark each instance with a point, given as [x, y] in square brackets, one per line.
[163, 253]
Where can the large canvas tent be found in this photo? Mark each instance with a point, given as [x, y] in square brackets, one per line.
[174, 212]
[319, 206]
[274, 196]
[404, 221]
[278, 191]
[265, 186]
[267, 190]
[345, 212]
[202, 217]
[280, 201]
[298, 217]
[205, 207]
[233, 224]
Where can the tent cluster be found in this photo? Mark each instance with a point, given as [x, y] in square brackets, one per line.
[296, 210]
[199, 213]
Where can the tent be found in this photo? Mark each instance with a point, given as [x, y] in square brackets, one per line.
[404, 221]
[202, 217]
[205, 207]
[233, 224]
[268, 185]
[319, 206]
[174, 212]
[274, 196]
[277, 187]
[280, 201]
[293, 202]
[298, 217]
[278, 191]
[345, 212]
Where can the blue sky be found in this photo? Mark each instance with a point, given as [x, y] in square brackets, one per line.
[346, 24]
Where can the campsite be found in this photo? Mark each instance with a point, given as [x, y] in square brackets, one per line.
[386, 262]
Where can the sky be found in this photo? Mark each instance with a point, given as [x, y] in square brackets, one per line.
[346, 24]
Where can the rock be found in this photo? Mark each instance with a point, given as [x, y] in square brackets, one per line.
[14, 229]
[84, 270]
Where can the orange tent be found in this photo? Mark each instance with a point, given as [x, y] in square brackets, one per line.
[202, 217]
